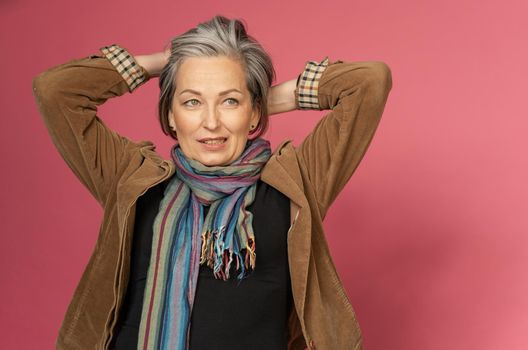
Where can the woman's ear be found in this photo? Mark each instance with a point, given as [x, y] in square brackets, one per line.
[255, 118]
[172, 125]
[171, 121]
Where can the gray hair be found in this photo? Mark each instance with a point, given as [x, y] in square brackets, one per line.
[219, 36]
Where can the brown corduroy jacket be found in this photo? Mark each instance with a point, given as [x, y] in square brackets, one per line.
[117, 171]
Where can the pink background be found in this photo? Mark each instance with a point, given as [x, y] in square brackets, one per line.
[430, 234]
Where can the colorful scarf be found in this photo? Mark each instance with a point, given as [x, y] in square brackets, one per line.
[182, 239]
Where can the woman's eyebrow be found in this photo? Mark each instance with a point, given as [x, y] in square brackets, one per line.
[220, 94]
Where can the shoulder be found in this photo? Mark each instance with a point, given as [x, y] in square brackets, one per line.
[143, 154]
[284, 146]
[283, 164]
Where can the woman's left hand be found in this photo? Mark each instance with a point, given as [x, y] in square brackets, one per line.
[281, 97]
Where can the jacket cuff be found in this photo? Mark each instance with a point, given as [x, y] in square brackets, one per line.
[306, 92]
[125, 64]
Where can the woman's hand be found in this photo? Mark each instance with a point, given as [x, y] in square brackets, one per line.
[155, 62]
[281, 97]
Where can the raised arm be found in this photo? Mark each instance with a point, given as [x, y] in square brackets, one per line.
[68, 96]
[356, 92]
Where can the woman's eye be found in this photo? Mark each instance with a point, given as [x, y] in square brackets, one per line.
[232, 99]
[186, 103]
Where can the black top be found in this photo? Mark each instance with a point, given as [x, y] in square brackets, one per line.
[247, 314]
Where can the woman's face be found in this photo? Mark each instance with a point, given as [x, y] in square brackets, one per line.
[211, 110]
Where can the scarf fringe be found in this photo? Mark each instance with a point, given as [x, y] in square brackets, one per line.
[221, 263]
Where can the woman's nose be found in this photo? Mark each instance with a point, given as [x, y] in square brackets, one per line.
[211, 119]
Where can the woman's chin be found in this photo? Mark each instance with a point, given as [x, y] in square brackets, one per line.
[213, 160]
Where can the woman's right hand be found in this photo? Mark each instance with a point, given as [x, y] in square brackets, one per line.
[155, 62]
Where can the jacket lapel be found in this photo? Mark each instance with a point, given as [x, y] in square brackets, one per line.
[152, 170]
[282, 172]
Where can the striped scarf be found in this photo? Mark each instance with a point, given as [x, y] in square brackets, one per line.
[182, 239]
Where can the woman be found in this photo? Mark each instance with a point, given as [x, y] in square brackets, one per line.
[222, 246]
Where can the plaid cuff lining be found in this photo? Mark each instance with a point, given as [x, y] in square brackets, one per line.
[126, 65]
[308, 84]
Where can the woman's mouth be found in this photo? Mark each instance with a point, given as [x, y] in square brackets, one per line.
[213, 143]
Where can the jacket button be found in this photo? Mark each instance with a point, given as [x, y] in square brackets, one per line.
[312, 344]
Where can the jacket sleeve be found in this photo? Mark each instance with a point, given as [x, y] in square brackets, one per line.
[356, 92]
[67, 97]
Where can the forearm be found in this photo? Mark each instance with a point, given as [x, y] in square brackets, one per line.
[356, 92]
[282, 97]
